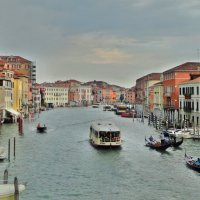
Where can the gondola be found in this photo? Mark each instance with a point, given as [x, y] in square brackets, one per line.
[172, 139]
[41, 129]
[193, 163]
[177, 143]
[157, 145]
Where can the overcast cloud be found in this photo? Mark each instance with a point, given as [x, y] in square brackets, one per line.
[116, 41]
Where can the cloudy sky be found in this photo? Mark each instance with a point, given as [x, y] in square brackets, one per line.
[117, 41]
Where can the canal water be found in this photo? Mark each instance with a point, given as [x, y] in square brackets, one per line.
[62, 165]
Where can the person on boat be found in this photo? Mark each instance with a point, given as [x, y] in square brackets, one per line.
[162, 139]
[151, 138]
[38, 126]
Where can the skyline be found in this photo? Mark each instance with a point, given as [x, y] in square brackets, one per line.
[116, 41]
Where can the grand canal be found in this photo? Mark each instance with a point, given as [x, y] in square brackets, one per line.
[62, 165]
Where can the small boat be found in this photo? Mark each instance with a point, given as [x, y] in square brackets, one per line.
[105, 134]
[192, 162]
[41, 129]
[156, 144]
[179, 133]
[2, 154]
[127, 114]
[11, 191]
[96, 105]
[172, 139]
[107, 108]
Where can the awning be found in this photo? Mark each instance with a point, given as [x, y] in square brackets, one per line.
[12, 111]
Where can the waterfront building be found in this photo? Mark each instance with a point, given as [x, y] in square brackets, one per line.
[83, 95]
[17, 94]
[108, 95]
[171, 80]
[37, 98]
[54, 95]
[158, 99]
[24, 66]
[189, 101]
[69, 84]
[142, 91]
[130, 96]
[6, 85]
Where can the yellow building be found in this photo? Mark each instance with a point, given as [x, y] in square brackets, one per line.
[23, 91]
[17, 94]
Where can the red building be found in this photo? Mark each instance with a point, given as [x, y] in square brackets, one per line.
[171, 80]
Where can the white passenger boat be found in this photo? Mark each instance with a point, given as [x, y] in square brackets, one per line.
[2, 154]
[105, 134]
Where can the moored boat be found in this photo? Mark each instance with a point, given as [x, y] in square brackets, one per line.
[107, 108]
[192, 162]
[180, 133]
[105, 134]
[127, 114]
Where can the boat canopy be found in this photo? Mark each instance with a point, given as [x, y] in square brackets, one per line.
[13, 111]
[104, 126]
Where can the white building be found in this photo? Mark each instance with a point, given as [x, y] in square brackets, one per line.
[55, 96]
[189, 101]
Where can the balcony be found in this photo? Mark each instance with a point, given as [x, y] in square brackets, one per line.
[187, 96]
[169, 106]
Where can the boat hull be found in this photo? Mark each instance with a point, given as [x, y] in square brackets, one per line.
[105, 146]
[41, 129]
[7, 191]
[190, 162]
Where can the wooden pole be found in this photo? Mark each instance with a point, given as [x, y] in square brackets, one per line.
[5, 177]
[14, 148]
[16, 195]
[9, 150]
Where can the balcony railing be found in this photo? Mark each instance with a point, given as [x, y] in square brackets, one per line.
[187, 96]
[169, 106]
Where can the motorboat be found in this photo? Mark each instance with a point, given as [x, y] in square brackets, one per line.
[96, 105]
[105, 134]
[127, 114]
[180, 133]
[107, 108]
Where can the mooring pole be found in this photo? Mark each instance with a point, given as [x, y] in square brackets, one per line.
[9, 150]
[5, 177]
[16, 195]
[14, 148]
